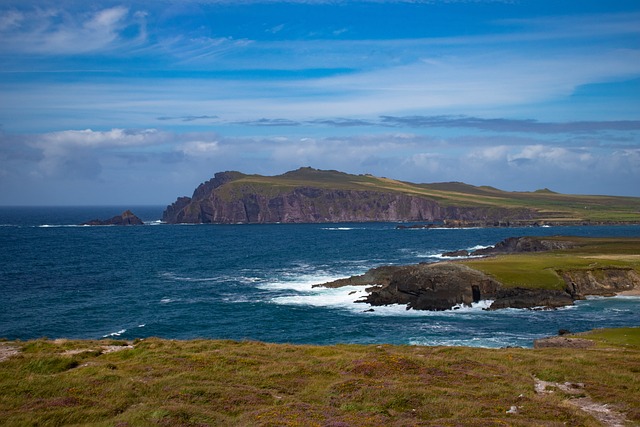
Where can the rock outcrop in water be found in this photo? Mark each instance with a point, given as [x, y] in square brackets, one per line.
[125, 218]
[445, 285]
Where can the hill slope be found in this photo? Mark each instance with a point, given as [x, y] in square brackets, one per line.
[311, 195]
[227, 383]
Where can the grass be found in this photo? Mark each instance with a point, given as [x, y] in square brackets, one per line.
[224, 383]
[549, 206]
[540, 270]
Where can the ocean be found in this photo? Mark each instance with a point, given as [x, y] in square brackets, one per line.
[251, 282]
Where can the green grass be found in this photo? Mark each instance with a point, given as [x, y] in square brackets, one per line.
[225, 383]
[550, 206]
[540, 270]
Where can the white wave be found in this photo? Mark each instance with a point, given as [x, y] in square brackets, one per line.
[340, 228]
[300, 283]
[64, 225]
[166, 300]
[401, 310]
[453, 228]
[156, 222]
[495, 341]
[115, 334]
[173, 276]
[477, 247]
[142, 325]
[344, 297]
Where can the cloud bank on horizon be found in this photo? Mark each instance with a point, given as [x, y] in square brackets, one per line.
[122, 102]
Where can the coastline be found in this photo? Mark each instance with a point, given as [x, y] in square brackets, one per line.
[629, 293]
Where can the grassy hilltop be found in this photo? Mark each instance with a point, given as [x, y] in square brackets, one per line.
[225, 383]
[548, 205]
[544, 269]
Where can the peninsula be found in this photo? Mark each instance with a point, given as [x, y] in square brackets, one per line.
[522, 272]
[309, 195]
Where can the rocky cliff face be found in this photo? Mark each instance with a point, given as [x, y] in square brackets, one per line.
[222, 200]
[600, 281]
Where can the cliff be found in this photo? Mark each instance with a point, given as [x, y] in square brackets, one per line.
[308, 195]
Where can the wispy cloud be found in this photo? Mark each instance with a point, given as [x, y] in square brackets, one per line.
[187, 118]
[510, 125]
[56, 31]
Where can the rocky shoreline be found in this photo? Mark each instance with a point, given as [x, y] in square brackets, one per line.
[446, 285]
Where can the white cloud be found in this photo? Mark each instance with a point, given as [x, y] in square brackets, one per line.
[101, 139]
[55, 31]
[199, 148]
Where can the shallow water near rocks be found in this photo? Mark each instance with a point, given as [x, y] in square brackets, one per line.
[251, 282]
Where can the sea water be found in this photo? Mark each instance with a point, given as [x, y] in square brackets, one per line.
[252, 282]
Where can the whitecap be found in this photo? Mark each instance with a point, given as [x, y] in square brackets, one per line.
[115, 334]
[300, 283]
[478, 247]
[339, 228]
[166, 300]
[344, 297]
[175, 277]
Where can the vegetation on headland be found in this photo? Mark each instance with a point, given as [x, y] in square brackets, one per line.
[311, 195]
[542, 269]
[224, 383]
[552, 206]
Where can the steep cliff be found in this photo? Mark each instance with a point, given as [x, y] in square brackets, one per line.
[309, 196]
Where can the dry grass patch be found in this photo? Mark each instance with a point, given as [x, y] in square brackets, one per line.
[228, 383]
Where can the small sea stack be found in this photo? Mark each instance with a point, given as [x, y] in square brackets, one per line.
[125, 218]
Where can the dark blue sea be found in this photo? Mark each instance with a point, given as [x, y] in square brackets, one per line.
[250, 282]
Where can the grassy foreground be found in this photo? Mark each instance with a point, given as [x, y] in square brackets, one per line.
[220, 383]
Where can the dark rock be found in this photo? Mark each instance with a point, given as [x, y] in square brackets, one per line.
[439, 286]
[524, 244]
[455, 254]
[126, 218]
[375, 276]
[530, 298]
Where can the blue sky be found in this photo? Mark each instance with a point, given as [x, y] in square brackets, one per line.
[122, 102]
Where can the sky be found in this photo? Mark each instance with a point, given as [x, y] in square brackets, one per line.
[138, 102]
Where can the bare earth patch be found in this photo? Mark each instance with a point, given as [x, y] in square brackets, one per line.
[7, 351]
[601, 412]
[624, 257]
[564, 342]
[104, 349]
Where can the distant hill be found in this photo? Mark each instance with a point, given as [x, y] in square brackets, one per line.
[308, 195]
